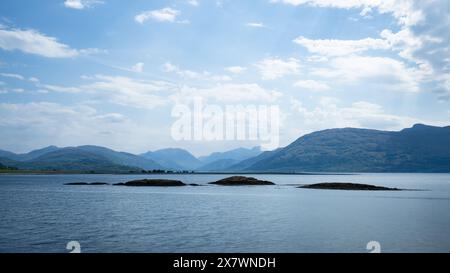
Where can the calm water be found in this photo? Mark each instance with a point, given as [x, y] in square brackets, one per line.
[39, 214]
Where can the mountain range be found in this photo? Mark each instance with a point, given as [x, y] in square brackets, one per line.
[103, 160]
[82, 158]
[172, 158]
[421, 148]
[221, 161]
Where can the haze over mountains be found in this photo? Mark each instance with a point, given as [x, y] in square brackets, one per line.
[82, 158]
[222, 161]
[172, 158]
[421, 148]
[100, 159]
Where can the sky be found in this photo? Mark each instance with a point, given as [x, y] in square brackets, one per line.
[109, 72]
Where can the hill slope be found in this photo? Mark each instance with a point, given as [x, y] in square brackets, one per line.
[218, 165]
[238, 154]
[421, 148]
[173, 158]
[83, 158]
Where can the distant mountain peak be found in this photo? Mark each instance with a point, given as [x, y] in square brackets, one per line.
[49, 147]
[423, 126]
[83, 158]
[223, 160]
[422, 148]
[174, 158]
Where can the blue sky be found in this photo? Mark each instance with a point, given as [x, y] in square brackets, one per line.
[109, 72]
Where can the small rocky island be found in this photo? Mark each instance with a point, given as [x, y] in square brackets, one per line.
[347, 186]
[241, 181]
[152, 183]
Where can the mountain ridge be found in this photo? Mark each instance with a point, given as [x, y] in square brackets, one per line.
[174, 158]
[80, 158]
[421, 148]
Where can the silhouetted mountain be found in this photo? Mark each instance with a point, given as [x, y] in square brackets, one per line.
[37, 153]
[2, 167]
[246, 164]
[27, 156]
[122, 158]
[421, 148]
[218, 165]
[8, 168]
[8, 162]
[221, 161]
[83, 158]
[238, 154]
[8, 155]
[173, 158]
[74, 159]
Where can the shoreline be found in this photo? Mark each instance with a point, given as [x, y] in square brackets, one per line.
[208, 173]
[175, 173]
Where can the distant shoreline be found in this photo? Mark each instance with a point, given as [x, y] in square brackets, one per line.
[24, 172]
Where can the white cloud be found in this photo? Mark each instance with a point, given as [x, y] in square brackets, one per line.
[11, 90]
[169, 67]
[331, 47]
[421, 40]
[139, 67]
[33, 79]
[228, 93]
[389, 73]
[409, 75]
[59, 89]
[92, 51]
[407, 44]
[13, 76]
[160, 15]
[194, 3]
[32, 42]
[235, 69]
[404, 11]
[128, 92]
[274, 68]
[404, 41]
[19, 77]
[256, 24]
[312, 85]
[44, 118]
[81, 4]
[28, 126]
[118, 90]
[151, 94]
[194, 75]
[329, 113]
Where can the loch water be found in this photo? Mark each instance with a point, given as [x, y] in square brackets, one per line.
[38, 213]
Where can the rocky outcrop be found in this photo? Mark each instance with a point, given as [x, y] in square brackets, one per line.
[348, 186]
[152, 183]
[241, 181]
